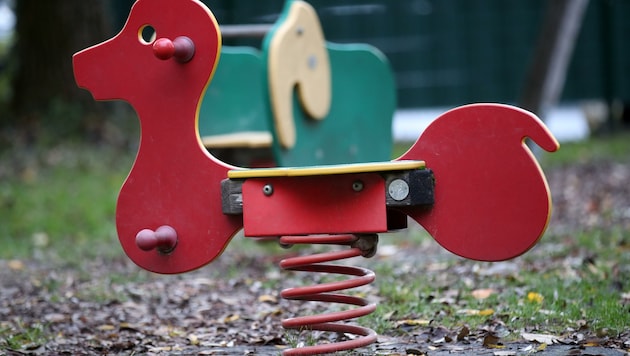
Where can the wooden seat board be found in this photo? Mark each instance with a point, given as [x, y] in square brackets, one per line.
[327, 170]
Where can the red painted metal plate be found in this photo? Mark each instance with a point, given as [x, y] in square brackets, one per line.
[492, 201]
[346, 203]
[174, 181]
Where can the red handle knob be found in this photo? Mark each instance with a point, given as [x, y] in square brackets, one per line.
[163, 239]
[181, 48]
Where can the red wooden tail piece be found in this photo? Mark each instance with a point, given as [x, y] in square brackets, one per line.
[492, 201]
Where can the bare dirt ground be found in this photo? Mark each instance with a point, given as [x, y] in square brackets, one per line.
[232, 307]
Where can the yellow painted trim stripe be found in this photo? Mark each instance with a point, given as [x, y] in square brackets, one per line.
[326, 170]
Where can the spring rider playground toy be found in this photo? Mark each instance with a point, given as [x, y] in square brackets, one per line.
[469, 180]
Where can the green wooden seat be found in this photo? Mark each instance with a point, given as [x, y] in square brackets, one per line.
[238, 113]
[233, 102]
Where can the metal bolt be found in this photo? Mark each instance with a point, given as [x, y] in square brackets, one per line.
[267, 189]
[398, 189]
[367, 243]
[312, 61]
[357, 186]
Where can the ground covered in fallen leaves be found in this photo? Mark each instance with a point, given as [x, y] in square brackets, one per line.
[233, 307]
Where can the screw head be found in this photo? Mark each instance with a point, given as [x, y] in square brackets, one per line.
[312, 61]
[398, 189]
[267, 189]
[357, 186]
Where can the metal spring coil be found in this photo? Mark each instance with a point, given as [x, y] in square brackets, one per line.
[324, 292]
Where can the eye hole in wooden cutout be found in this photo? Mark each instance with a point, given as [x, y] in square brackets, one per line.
[146, 34]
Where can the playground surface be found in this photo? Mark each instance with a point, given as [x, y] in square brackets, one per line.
[232, 306]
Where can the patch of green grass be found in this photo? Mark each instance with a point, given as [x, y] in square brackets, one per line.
[60, 202]
[615, 147]
[300, 338]
[581, 286]
[22, 337]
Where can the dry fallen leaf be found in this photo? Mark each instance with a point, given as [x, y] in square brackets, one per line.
[592, 342]
[106, 327]
[266, 298]
[389, 315]
[55, 317]
[484, 312]
[528, 349]
[164, 349]
[541, 338]
[463, 333]
[480, 294]
[413, 322]
[582, 324]
[16, 265]
[413, 351]
[231, 318]
[129, 327]
[193, 339]
[492, 342]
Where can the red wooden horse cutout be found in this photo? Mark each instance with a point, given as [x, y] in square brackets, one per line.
[491, 199]
[174, 181]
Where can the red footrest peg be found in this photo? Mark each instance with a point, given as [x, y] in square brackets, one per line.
[164, 239]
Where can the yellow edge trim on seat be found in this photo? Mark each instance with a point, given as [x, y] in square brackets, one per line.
[326, 170]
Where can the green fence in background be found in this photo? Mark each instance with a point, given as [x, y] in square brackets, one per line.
[452, 52]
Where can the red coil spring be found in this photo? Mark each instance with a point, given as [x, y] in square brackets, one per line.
[364, 245]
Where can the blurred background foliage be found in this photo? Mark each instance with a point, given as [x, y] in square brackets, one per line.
[39, 100]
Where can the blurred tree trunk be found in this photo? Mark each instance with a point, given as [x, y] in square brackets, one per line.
[48, 33]
[559, 32]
